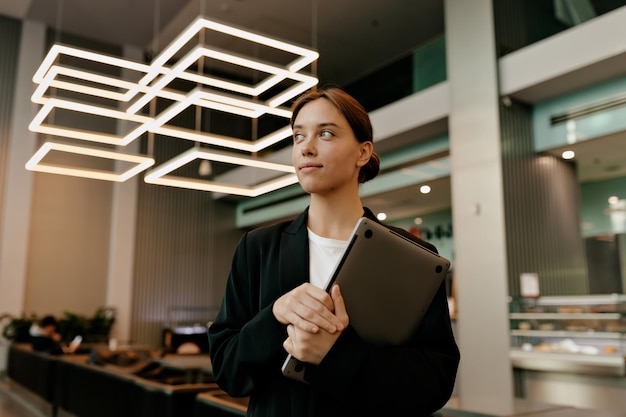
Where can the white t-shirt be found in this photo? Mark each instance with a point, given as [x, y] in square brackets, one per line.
[324, 253]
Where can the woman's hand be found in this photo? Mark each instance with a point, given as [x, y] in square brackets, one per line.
[313, 347]
[308, 308]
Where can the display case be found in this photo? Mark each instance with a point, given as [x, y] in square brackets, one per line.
[579, 334]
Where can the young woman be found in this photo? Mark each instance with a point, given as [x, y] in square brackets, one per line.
[275, 303]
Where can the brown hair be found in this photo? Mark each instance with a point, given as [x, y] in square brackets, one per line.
[357, 118]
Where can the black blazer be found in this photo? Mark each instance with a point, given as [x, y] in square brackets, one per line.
[355, 378]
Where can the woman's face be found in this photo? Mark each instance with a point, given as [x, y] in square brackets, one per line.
[326, 154]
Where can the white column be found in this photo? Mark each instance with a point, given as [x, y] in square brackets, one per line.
[122, 245]
[14, 230]
[485, 377]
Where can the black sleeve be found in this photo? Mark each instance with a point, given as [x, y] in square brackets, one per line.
[244, 342]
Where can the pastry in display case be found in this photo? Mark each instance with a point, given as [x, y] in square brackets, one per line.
[581, 334]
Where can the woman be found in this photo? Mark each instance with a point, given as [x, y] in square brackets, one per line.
[275, 304]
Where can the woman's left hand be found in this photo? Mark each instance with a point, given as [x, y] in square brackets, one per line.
[313, 347]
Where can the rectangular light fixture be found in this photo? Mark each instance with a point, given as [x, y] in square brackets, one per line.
[38, 123]
[159, 175]
[35, 162]
[304, 56]
[223, 103]
[277, 74]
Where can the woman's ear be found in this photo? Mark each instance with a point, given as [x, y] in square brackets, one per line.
[366, 149]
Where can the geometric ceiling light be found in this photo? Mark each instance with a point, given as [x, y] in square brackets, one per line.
[200, 97]
[276, 73]
[159, 175]
[71, 88]
[39, 125]
[137, 163]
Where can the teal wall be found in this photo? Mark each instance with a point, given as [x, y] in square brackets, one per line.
[429, 64]
[595, 219]
[548, 136]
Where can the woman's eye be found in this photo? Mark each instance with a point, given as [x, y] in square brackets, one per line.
[325, 134]
[297, 137]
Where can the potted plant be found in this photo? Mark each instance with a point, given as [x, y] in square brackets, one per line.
[94, 329]
[99, 326]
[17, 329]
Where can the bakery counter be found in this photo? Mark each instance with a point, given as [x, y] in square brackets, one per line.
[570, 349]
[576, 363]
[578, 334]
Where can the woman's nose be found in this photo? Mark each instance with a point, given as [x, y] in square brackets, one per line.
[307, 146]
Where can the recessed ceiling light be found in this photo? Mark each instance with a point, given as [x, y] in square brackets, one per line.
[425, 189]
[568, 154]
[418, 221]
[381, 216]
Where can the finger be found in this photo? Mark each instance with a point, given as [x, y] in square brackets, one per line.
[309, 308]
[320, 296]
[288, 343]
[340, 307]
[288, 346]
[292, 308]
[291, 332]
[314, 308]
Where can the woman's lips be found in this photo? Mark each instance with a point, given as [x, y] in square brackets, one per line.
[309, 167]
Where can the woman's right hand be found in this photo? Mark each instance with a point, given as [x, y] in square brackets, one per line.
[313, 348]
[309, 308]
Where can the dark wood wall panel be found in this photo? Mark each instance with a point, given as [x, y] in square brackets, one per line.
[9, 49]
[185, 241]
[509, 23]
[542, 206]
[541, 192]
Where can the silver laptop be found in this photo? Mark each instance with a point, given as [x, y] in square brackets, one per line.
[387, 281]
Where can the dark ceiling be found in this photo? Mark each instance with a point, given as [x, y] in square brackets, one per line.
[353, 37]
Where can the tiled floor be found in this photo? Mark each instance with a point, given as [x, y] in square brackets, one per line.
[10, 406]
[522, 407]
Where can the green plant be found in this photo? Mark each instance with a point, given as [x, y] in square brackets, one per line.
[99, 326]
[93, 329]
[17, 328]
[71, 325]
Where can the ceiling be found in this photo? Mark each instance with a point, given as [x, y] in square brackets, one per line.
[598, 159]
[337, 29]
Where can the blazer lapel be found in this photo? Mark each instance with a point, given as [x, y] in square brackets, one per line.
[294, 254]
